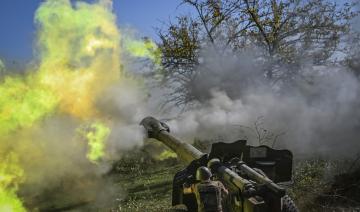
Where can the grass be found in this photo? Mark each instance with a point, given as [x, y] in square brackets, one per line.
[147, 182]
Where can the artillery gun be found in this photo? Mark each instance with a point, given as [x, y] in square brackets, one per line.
[251, 174]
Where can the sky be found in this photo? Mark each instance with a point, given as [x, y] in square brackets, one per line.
[18, 30]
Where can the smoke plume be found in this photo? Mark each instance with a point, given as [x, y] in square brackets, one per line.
[317, 114]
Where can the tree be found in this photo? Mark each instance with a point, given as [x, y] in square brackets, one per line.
[286, 31]
[352, 60]
[180, 49]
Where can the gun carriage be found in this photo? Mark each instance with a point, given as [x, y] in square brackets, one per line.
[251, 174]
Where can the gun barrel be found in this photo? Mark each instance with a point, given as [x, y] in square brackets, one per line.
[160, 131]
[185, 151]
[278, 190]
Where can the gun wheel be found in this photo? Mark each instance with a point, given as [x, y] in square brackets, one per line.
[288, 205]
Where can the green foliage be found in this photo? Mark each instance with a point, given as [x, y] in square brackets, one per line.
[313, 188]
[308, 182]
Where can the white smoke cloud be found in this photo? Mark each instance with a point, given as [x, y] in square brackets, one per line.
[318, 114]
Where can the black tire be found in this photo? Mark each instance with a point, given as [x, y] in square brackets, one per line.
[288, 205]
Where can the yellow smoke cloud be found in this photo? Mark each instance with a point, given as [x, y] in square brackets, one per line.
[96, 134]
[145, 49]
[10, 177]
[78, 48]
[23, 102]
[79, 51]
